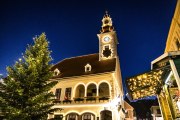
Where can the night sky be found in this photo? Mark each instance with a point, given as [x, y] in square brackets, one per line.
[72, 26]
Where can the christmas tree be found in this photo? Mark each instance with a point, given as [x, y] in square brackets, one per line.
[25, 92]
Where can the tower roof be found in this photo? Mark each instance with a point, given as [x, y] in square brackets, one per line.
[107, 25]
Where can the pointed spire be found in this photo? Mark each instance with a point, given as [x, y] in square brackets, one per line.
[106, 23]
[106, 14]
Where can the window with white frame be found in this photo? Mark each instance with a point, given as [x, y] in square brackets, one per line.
[88, 67]
[67, 94]
[56, 72]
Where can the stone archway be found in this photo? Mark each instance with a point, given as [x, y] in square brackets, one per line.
[104, 90]
[80, 91]
[91, 90]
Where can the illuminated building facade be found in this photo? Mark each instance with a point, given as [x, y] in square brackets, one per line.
[169, 98]
[90, 86]
[163, 80]
[173, 40]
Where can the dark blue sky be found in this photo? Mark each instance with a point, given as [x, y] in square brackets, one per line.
[72, 27]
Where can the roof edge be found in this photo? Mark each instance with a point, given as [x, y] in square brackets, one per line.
[73, 57]
[81, 75]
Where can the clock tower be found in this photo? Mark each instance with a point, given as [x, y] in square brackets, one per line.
[107, 39]
[92, 80]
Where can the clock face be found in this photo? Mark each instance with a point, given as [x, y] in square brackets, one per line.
[106, 39]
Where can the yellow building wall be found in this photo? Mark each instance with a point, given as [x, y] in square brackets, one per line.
[172, 44]
[73, 82]
[174, 31]
[94, 107]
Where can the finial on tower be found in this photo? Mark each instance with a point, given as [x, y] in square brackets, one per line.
[106, 23]
[106, 12]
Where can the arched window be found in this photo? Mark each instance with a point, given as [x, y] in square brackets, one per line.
[104, 90]
[106, 115]
[72, 116]
[80, 91]
[91, 90]
[88, 116]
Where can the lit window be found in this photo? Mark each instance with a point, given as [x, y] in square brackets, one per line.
[87, 67]
[58, 93]
[72, 117]
[88, 116]
[56, 72]
[67, 94]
